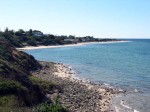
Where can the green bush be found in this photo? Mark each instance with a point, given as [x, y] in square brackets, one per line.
[8, 101]
[11, 87]
[54, 107]
[4, 54]
[44, 85]
[31, 42]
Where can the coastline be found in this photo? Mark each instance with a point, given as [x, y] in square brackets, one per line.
[69, 45]
[77, 95]
[64, 75]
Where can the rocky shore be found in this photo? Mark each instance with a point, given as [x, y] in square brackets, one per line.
[76, 95]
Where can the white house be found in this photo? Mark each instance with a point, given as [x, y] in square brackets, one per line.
[70, 40]
[38, 33]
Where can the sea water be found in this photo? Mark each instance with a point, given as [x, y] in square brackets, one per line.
[125, 65]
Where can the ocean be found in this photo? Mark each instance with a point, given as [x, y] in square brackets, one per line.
[125, 65]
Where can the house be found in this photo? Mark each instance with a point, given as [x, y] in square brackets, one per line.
[38, 33]
[83, 39]
[69, 40]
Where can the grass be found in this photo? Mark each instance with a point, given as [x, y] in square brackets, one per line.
[46, 86]
[11, 103]
[11, 87]
[54, 107]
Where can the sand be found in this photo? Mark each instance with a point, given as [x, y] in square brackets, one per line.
[69, 45]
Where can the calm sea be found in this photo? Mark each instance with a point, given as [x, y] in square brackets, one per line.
[124, 65]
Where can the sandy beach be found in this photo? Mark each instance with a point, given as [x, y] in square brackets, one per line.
[76, 95]
[69, 45]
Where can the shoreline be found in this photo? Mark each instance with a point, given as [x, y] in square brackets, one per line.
[62, 72]
[77, 95]
[67, 45]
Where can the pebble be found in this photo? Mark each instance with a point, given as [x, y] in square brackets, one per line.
[75, 95]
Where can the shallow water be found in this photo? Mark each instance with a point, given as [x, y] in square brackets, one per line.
[125, 65]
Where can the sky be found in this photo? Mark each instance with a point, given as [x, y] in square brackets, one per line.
[98, 18]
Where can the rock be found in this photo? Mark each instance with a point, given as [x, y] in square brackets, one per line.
[75, 94]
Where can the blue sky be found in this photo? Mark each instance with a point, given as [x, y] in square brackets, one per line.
[98, 18]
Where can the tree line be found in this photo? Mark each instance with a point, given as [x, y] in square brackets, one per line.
[31, 37]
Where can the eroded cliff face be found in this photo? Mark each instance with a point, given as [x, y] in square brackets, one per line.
[13, 62]
[15, 67]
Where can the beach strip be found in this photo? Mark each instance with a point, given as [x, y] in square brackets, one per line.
[67, 45]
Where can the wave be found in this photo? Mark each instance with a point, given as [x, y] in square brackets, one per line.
[128, 107]
[117, 109]
[136, 91]
[106, 84]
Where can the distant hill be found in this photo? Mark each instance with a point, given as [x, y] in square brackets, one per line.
[23, 38]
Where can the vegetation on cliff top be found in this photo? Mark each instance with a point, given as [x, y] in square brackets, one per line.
[23, 38]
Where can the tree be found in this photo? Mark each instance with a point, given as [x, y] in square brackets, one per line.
[71, 37]
[6, 30]
[31, 42]
[30, 32]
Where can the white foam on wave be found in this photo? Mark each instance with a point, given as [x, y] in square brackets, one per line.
[85, 80]
[106, 84]
[128, 107]
[121, 90]
[135, 90]
[117, 108]
[136, 110]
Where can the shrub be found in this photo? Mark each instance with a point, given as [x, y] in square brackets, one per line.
[55, 107]
[44, 85]
[11, 87]
[8, 101]
[31, 42]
